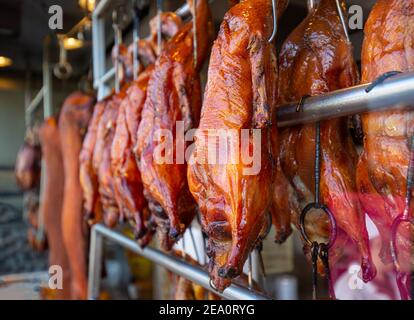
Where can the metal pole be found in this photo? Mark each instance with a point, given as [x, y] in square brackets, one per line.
[393, 93]
[95, 264]
[99, 58]
[34, 104]
[47, 80]
[178, 266]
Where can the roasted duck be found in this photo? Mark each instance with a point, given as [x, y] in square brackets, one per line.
[173, 95]
[51, 201]
[315, 59]
[383, 165]
[110, 199]
[234, 196]
[126, 173]
[73, 122]
[27, 169]
[100, 199]
[88, 176]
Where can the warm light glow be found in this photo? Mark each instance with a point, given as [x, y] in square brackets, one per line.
[87, 4]
[5, 62]
[72, 43]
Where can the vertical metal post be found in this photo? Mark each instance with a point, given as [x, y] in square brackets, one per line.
[47, 80]
[99, 65]
[95, 264]
[27, 93]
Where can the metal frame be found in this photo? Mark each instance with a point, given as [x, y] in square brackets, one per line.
[396, 91]
[172, 263]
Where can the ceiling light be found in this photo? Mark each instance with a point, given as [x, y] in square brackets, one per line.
[5, 62]
[87, 5]
[72, 43]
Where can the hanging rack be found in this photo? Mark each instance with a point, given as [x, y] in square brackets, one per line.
[395, 91]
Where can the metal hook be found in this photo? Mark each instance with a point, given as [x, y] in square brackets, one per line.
[195, 42]
[212, 286]
[274, 10]
[135, 40]
[118, 41]
[194, 244]
[311, 4]
[341, 16]
[301, 102]
[62, 70]
[381, 79]
[159, 26]
[315, 246]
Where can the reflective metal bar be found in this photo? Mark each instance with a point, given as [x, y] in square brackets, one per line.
[184, 11]
[95, 264]
[174, 264]
[108, 76]
[101, 8]
[35, 102]
[393, 93]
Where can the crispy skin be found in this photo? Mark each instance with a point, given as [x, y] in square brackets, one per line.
[240, 94]
[51, 201]
[315, 59]
[124, 166]
[127, 176]
[111, 202]
[173, 95]
[73, 122]
[382, 168]
[88, 176]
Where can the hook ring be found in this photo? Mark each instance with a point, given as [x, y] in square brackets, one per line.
[331, 217]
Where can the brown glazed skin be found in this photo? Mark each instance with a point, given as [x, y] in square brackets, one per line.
[127, 178]
[88, 176]
[51, 201]
[110, 199]
[315, 59]
[173, 95]
[73, 122]
[240, 94]
[125, 168]
[382, 168]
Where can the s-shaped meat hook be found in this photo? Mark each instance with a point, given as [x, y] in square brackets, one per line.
[319, 250]
[274, 10]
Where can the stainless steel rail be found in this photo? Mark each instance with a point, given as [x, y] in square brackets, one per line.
[393, 93]
[174, 264]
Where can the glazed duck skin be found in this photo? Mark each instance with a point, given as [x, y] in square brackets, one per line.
[383, 166]
[315, 59]
[240, 94]
[173, 95]
[127, 176]
[88, 176]
[112, 205]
